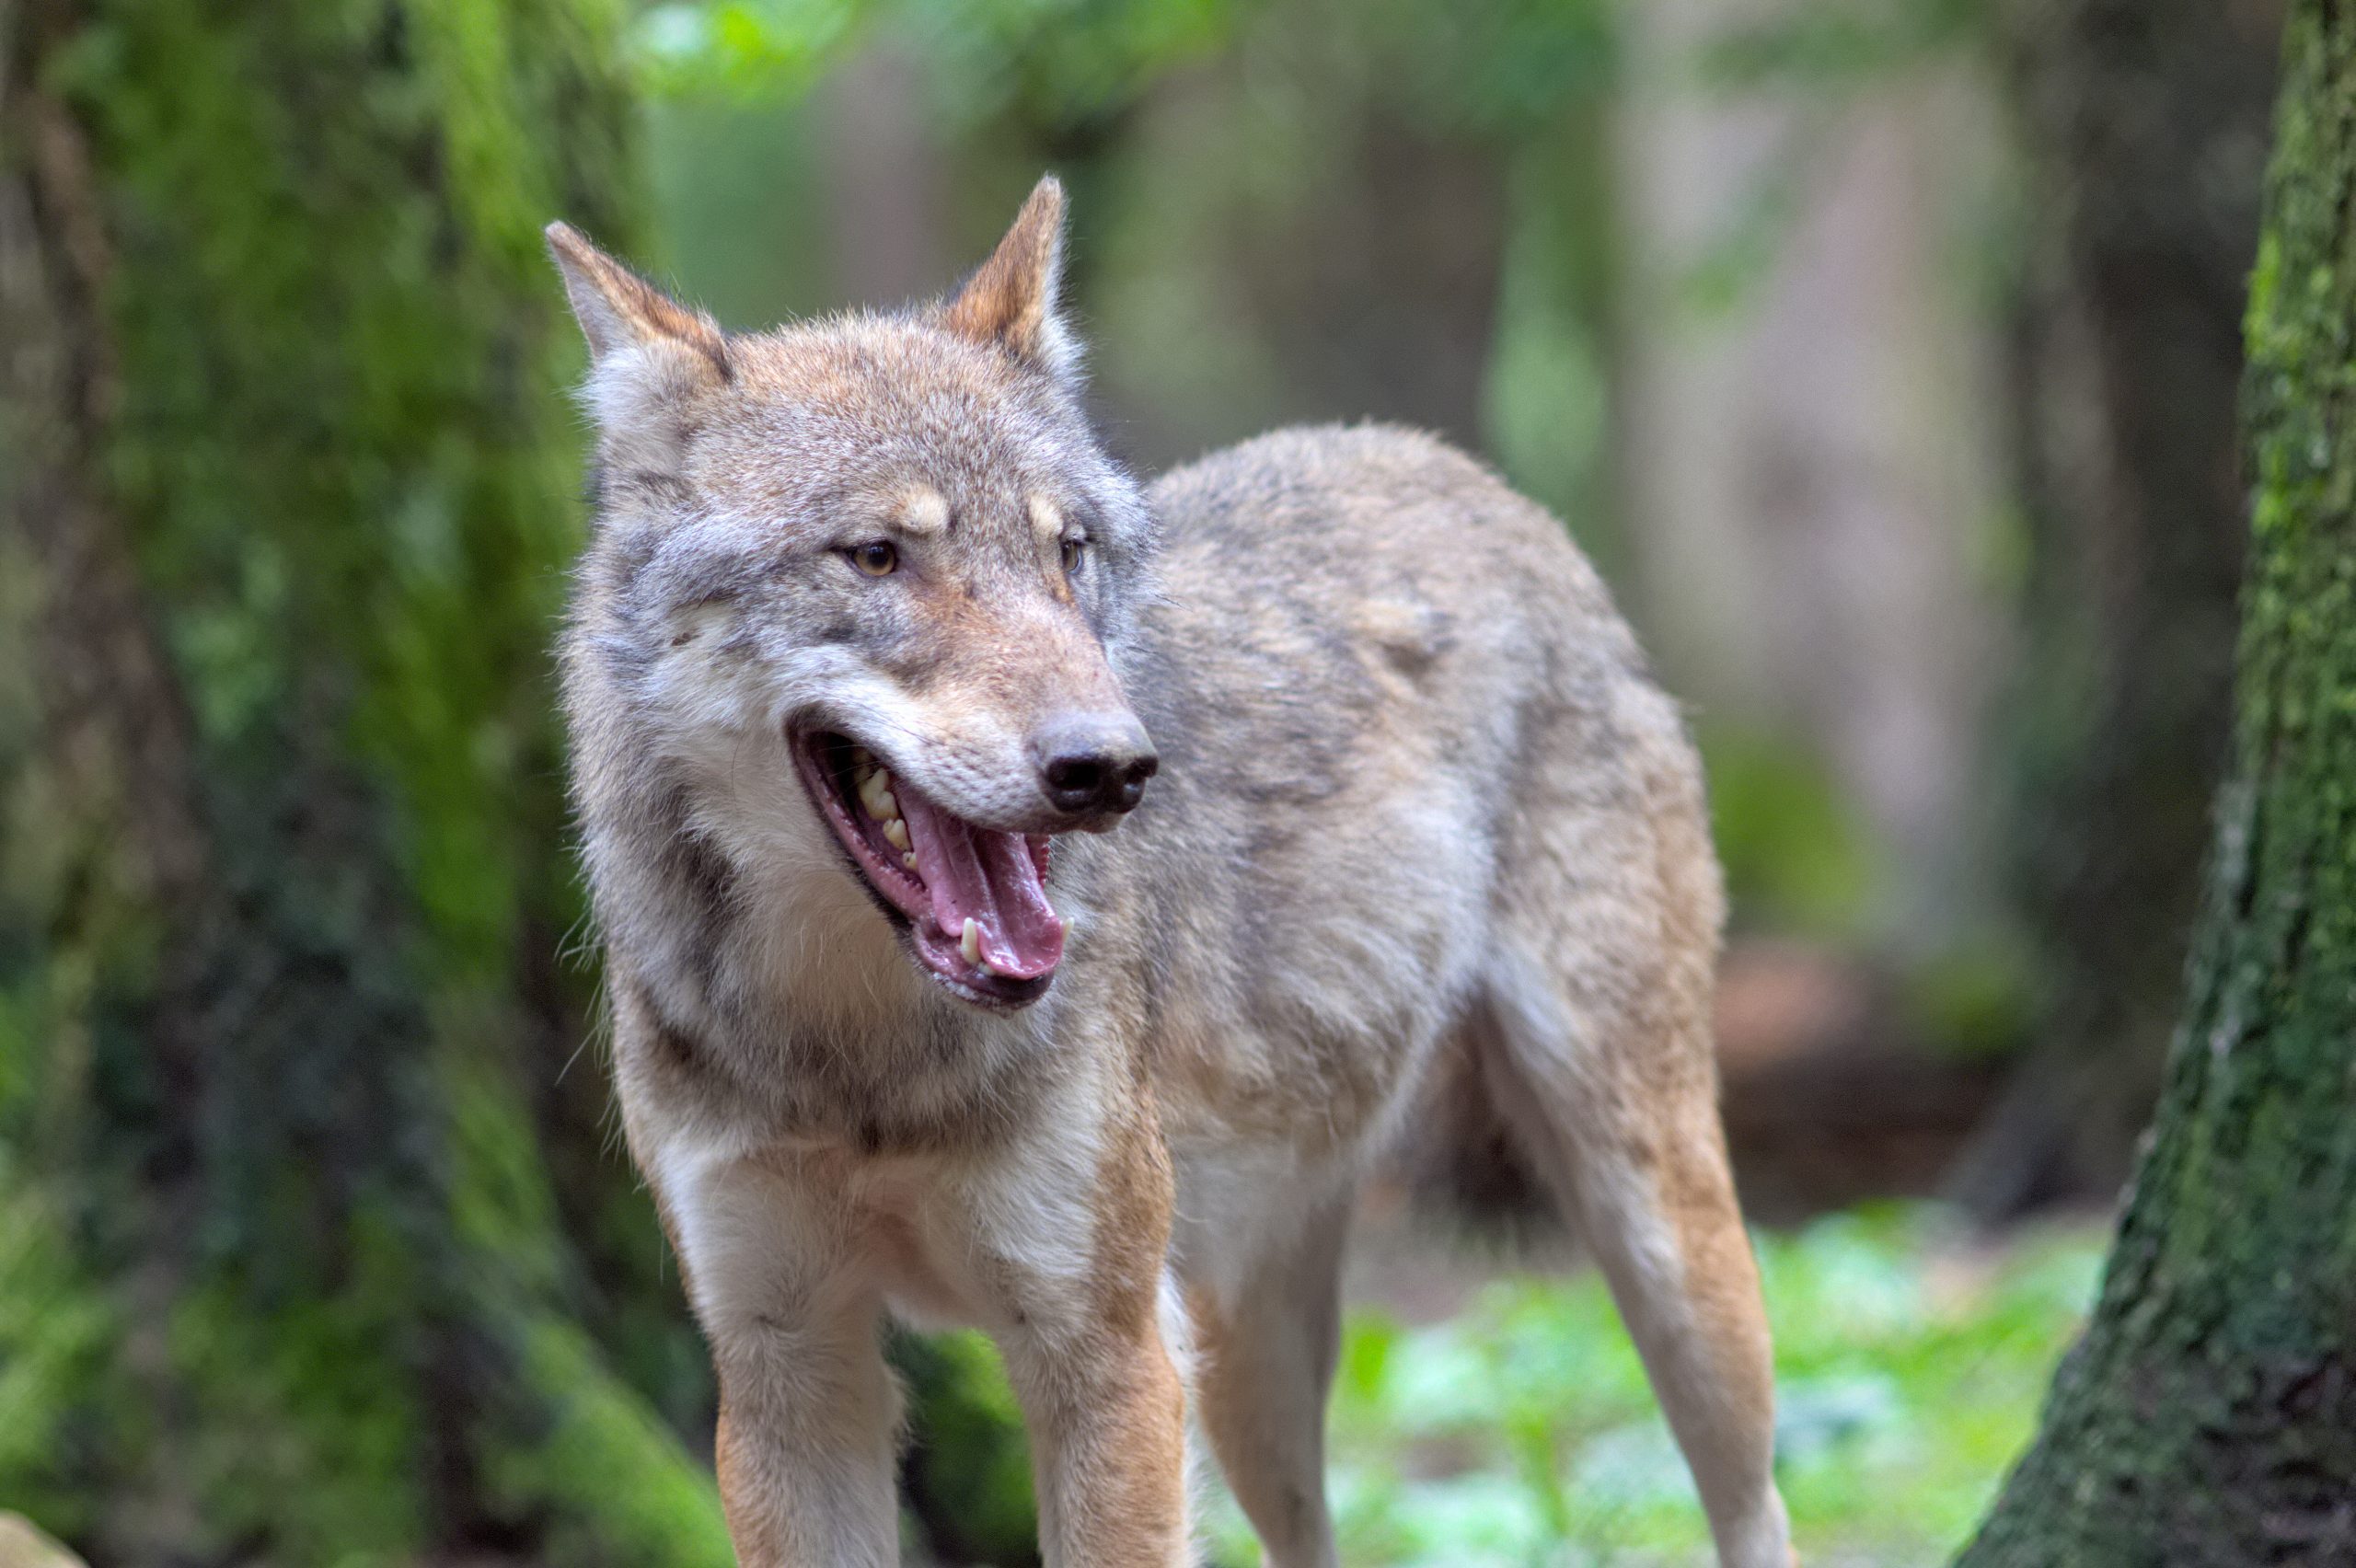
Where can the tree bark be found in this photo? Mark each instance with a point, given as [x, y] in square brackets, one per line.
[2208, 1415]
[285, 499]
[2144, 126]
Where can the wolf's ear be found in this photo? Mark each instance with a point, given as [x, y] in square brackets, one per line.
[651, 357]
[1010, 301]
[618, 309]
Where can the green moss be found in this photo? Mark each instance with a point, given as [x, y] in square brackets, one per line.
[299, 1279]
[970, 1462]
[304, 1422]
[55, 1327]
[616, 1484]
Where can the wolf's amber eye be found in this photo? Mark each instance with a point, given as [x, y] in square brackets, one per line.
[1072, 548]
[876, 557]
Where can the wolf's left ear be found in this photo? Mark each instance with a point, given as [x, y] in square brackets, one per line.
[1010, 301]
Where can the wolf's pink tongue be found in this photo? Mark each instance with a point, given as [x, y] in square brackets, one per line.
[991, 878]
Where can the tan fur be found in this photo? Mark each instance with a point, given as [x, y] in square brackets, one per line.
[924, 513]
[1425, 873]
[1010, 301]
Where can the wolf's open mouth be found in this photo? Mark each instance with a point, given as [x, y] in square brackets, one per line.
[972, 900]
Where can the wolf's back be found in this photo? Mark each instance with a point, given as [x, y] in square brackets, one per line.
[1381, 682]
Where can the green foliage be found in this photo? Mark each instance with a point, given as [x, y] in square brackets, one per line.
[1910, 1363]
[1972, 1000]
[1908, 1368]
[1838, 48]
[1794, 854]
[739, 203]
[1496, 66]
[1544, 415]
[1062, 60]
[741, 48]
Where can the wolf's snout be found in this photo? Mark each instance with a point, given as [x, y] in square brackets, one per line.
[1093, 763]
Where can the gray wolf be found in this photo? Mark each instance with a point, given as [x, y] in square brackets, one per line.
[1033, 901]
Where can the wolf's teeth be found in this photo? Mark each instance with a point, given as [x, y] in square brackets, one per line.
[897, 832]
[909, 862]
[970, 944]
[880, 805]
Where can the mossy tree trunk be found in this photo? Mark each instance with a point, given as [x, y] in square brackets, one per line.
[2209, 1416]
[287, 486]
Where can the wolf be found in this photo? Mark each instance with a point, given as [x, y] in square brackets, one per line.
[1033, 901]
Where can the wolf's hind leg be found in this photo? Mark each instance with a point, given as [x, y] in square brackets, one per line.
[1268, 1347]
[1624, 1131]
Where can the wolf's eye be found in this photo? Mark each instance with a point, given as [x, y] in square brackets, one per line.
[876, 557]
[1073, 549]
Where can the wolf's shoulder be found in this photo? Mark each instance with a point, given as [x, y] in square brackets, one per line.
[1353, 506]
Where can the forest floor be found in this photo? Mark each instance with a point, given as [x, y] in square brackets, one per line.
[1501, 1418]
[1487, 1417]
[1490, 1412]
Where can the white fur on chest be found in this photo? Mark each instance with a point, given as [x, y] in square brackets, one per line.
[771, 1229]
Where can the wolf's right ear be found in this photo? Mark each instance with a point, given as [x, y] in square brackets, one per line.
[650, 356]
[618, 309]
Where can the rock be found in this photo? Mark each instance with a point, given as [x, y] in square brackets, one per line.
[23, 1544]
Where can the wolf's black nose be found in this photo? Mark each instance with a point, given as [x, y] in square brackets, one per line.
[1090, 762]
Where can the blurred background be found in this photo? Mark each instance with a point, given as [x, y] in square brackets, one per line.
[1883, 353]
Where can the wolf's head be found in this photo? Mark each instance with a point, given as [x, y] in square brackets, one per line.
[860, 584]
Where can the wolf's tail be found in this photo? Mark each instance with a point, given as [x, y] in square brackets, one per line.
[1460, 1168]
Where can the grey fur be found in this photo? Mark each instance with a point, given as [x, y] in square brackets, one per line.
[1425, 835]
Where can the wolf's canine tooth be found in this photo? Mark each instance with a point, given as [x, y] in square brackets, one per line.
[970, 943]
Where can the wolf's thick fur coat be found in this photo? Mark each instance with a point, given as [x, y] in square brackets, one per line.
[1424, 834]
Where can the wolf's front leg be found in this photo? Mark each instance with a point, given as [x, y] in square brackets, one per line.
[808, 1413]
[1108, 1427]
[1094, 1349]
[804, 1448]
